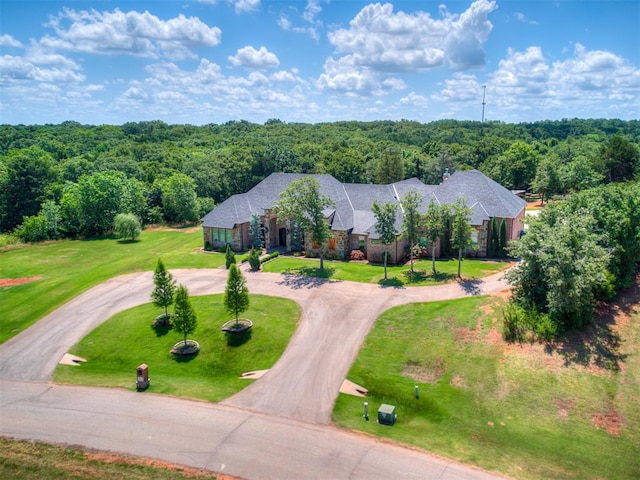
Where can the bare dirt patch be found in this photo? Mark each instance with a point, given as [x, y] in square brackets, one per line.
[611, 421]
[564, 407]
[187, 472]
[458, 381]
[10, 282]
[429, 372]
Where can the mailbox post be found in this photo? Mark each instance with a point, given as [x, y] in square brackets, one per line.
[142, 377]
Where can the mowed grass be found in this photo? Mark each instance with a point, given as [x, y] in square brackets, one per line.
[398, 275]
[116, 348]
[23, 460]
[67, 268]
[513, 409]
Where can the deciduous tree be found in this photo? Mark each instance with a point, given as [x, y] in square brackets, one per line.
[179, 198]
[385, 226]
[563, 264]
[127, 225]
[302, 202]
[461, 229]
[411, 222]
[435, 221]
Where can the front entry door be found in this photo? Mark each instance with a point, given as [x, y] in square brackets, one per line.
[282, 237]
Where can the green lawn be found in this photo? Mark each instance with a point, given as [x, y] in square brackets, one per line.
[516, 410]
[69, 267]
[119, 345]
[447, 270]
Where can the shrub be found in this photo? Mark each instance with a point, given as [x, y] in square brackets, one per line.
[229, 257]
[33, 229]
[127, 225]
[207, 246]
[515, 323]
[522, 324]
[254, 259]
[269, 257]
[357, 255]
[544, 329]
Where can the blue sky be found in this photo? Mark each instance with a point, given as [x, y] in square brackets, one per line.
[210, 61]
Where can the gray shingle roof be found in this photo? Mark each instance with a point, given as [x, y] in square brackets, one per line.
[353, 201]
[486, 197]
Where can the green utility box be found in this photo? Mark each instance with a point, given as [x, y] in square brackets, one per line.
[387, 414]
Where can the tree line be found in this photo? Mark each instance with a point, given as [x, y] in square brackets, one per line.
[72, 179]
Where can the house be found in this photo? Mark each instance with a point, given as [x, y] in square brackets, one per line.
[351, 220]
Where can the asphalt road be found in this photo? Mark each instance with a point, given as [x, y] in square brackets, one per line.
[275, 428]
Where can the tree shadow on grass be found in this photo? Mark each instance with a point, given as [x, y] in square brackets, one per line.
[185, 358]
[126, 241]
[599, 344]
[161, 329]
[238, 339]
[414, 277]
[391, 283]
[307, 277]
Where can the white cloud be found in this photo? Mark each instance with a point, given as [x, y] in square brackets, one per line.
[386, 41]
[249, 57]
[284, 23]
[15, 69]
[311, 11]
[185, 94]
[309, 15]
[521, 17]
[242, 6]
[586, 79]
[129, 33]
[8, 41]
[415, 100]
[341, 76]
[461, 88]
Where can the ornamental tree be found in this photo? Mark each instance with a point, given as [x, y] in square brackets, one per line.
[184, 320]
[236, 293]
[461, 229]
[411, 221]
[385, 226]
[435, 221]
[165, 287]
[255, 232]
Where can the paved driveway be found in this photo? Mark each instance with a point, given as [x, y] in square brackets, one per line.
[301, 387]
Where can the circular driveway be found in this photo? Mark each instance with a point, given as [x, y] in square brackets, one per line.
[294, 398]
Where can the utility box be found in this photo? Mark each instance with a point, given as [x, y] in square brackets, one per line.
[142, 377]
[387, 414]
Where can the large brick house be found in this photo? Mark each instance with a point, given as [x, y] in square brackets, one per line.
[352, 222]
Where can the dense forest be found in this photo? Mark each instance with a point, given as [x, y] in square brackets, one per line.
[72, 179]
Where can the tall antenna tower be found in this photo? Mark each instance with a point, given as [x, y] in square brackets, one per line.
[484, 91]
